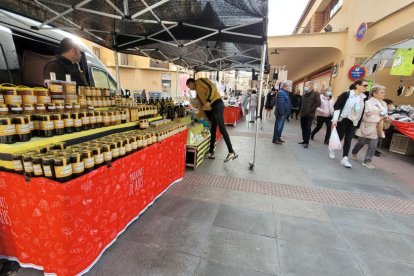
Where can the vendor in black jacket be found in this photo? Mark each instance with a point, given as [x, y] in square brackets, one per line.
[66, 63]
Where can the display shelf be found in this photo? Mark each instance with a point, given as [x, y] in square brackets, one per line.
[196, 153]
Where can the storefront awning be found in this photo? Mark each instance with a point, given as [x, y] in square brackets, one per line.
[196, 34]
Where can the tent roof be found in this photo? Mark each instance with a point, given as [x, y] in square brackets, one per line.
[197, 34]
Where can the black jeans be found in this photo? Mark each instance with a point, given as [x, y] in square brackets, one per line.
[294, 112]
[346, 130]
[216, 117]
[306, 124]
[319, 123]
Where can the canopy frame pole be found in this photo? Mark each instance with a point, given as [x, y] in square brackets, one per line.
[200, 38]
[118, 77]
[122, 45]
[159, 3]
[252, 163]
[115, 7]
[176, 85]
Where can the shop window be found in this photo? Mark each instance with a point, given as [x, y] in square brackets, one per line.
[124, 59]
[96, 52]
[334, 6]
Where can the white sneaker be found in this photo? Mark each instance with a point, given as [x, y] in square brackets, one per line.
[368, 165]
[345, 163]
[332, 154]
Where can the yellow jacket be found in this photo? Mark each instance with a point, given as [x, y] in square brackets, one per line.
[206, 91]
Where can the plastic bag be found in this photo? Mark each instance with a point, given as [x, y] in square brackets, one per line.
[334, 141]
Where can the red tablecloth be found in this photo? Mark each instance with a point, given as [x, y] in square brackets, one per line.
[64, 228]
[405, 128]
[232, 115]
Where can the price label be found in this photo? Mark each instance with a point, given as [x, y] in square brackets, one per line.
[68, 77]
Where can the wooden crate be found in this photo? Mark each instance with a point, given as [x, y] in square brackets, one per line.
[402, 144]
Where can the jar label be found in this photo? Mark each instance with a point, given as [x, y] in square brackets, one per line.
[78, 123]
[134, 145]
[118, 117]
[108, 156]
[106, 119]
[17, 109]
[6, 130]
[37, 169]
[63, 171]
[128, 147]
[47, 125]
[123, 117]
[4, 109]
[78, 167]
[99, 119]
[17, 165]
[122, 151]
[13, 99]
[140, 143]
[29, 99]
[43, 99]
[92, 120]
[85, 120]
[28, 167]
[68, 122]
[55, 88]
[22, 129]
[115, 152]
[47, 171]
[99, 158]
[59, 124]
[89, 162]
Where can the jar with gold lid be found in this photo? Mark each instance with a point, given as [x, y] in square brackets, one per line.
[58, 123]
[128, 146]
[77, 121]
[85, 120]
[107, 153]
[29, 110]
[27, 95]
[37, 165]
[98, 156]
[48, 166]
[7, 131]
[68, 122]
[134, 143]
[78, 166]
[21, 123]
[92, 117]
[27, 164]
[9, 93]
[4, 110]
[62, 168]
[113, 118]
[17, 163]
[46, 125]
[88, 159]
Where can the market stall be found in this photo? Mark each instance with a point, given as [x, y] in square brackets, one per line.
[232, 114]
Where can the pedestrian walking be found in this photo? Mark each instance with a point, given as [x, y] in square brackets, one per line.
[282, 110]
[245, 104]
[311, 100]
[213, 106]
[268, 105]
[372, 126]
[296, 100]
[253, 101]
[348, 111]
[324, 114]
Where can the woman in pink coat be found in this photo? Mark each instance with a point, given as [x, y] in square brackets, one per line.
[324, 114]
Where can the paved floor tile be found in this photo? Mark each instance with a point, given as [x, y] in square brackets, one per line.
[248, 200]
[299, 208]
[207, 268]
[297, 259]
[360, 217]
[372, 266]
[404, 223]
[380, 244]
[200, 192]
[308, 231]
[239, 249]
[245, 220]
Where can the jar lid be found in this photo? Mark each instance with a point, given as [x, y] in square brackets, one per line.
[24, 88]
[7, 86]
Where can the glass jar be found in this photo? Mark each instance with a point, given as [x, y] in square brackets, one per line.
[46, 125]
[99, 119]
[48, 166]
[78, 166]
[51, 107]
[77, 121]
[98, 156]
[23, 133]
[114, 151]
[123, 117]
[60, 107]
[17, 163]
[128, 146]
[68, 122]
[10, 95]
[55, 90]
[27, 164]
[40, 108]
[107, 153]
[27, 95]
[85, 120]
[106, 118]
[122, 148]
[42, 95]
[69, 87]
[37, 165]
[88, 159]
[16, 109]
[28, 110]
[7, 131]
[58, 123]
[4, 110]
[62, 168]
[134, 143]
[92, 118]
[113, 118]
[118, 117]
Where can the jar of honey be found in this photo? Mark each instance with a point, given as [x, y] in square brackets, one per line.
[28, 164]
[40, 108]
[42, 95]
[55, 90]
[77, 121]
[85, 120]
[92, 117]
[48, 166]
[98, 156]
[10, 95]
[58, 123]
[27, 94]
[37, 165]
[99, 119]
[46, 125]
[107, 153]
[118, 117]
[106, 118]
[134, 143]
[28, 110]
[60, 107]
[88, 159]
[7, 131]
[17, 163]
[22, 128]
[114, 150]
[68, 122]
[69, 87]
[4, 110]
[62, 168]
[16, 109]
[122, 148]
[113, 118]
[51, 107]
[78, 166]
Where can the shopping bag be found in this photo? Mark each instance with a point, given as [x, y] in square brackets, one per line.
[334, 141]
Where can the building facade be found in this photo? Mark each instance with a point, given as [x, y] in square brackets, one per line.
[326, 43]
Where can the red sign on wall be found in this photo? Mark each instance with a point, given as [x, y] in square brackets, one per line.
[356, 72]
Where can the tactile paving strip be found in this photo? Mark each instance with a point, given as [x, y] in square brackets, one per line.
[320, 195]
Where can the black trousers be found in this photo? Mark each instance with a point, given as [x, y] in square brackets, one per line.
[306, 125]
[216, 117]
[295, 112]
[346, 130]
[319, 123]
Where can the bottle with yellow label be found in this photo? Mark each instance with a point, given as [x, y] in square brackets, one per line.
[106, 150]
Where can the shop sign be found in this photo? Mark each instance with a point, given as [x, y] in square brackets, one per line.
[403, 63]
[335, 71]
[356, 72]
[361, 31]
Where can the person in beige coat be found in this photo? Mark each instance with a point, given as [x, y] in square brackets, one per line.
[371, 128]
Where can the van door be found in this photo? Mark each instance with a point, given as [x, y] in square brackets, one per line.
[9, 63]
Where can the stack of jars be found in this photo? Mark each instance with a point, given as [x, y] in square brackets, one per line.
[98, 97]
[62, 163]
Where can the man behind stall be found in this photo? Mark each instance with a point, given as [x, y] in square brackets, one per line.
[67, 63]
[213, 106]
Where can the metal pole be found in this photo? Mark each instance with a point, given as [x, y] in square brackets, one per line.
[118, 79]
[252, 163]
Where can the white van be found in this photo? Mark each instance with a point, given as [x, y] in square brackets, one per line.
[24, 53]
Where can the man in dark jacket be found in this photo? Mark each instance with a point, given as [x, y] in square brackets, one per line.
[311, 100]
[66, 64]
[283, 109]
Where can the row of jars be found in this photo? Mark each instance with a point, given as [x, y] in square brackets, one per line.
[63, 164]
[21, 128]
[87, 91]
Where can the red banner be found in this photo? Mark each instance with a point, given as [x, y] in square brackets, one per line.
[65, 227]
[404, 127]
[232, 115]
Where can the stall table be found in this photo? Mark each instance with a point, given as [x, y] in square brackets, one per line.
[232, 115]
[405, 127]
[63, 228]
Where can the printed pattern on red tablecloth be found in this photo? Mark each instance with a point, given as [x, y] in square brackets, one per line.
[231, 115]
[64, 227]
[404, 127]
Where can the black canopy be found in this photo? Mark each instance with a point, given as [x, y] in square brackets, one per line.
[197, 34]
